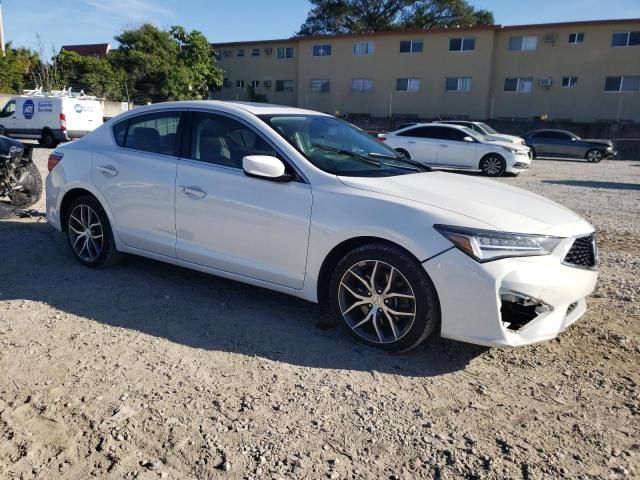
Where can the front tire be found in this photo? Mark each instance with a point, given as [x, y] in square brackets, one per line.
[384, 297]
[493, 165]
[404, 153]
[594, 156]
[89, 233]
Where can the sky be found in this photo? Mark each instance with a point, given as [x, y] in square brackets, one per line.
[67, 22]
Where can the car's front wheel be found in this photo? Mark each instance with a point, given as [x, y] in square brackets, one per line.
[89, 233]
[493, 165]
[384, 297]
[594, 155]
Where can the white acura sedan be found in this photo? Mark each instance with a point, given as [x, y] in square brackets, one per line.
[306, 204]
[454, 146]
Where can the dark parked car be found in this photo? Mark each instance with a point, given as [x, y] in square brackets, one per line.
[560, 143]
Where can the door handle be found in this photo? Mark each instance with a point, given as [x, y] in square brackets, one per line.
[411, 142]
[193, 192]
[443, 145]
[108, 170]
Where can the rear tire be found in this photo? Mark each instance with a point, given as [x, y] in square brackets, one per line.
[594, 155]
[404, 153]
[384, 297]
[48, 140]
[89, 233]
[493, 165]
[32, 185]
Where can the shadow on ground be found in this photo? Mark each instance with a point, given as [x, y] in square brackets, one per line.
[198, 310]
[595, 184]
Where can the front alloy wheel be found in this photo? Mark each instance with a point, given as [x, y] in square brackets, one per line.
[594, 156]
[493, 166]
[384, 297]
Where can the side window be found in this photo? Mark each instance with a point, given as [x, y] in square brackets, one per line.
[560, 136]
[419, 132]
[120, 132]
[543, 135]
[441, 133]
[224, 141]
[153, 133]
[456, 135]
[9, 109]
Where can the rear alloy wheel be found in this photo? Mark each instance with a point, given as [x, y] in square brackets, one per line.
[384, 297]
[89, 233]
[493, 165]
[594, 156]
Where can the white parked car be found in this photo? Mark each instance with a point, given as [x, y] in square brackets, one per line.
[486, 130]
[304, 203]
[50, 118]
[453, 146]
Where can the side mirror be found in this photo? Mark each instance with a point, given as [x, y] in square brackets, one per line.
[468, 139]
[573, 139]
[265, 167]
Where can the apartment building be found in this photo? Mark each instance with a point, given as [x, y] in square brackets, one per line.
[580, 71]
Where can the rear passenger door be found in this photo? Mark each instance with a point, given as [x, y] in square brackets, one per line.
[420, 144]
[137, 179]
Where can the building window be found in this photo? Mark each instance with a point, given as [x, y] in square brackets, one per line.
[321, 50]
[458, 84]
[575, 38]
[569, 82]
[226, 83]
[411, 46]
[523, 43]
[239, 83]
[622, 84]
[363, 48]
[408, 84]
[255, 52]
[625, 39]
[320, 86]
[284, 85]
[361, 85]
[285, 53]
[464, 44]
[240, 52]
[518, 84]
[255, 83]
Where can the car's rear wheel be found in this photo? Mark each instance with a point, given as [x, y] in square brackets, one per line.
[47, 140]
[404, 153]
[594, 155]
[384, 297]
[89, 233]
[493, 165]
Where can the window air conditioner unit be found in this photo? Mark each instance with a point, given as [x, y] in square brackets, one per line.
[227, 53]
[268, 51]
[551, 37]
[267, 84]
[545, 82]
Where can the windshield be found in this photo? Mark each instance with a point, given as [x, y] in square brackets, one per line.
[338, 147]
[473, 134]
[487, 129]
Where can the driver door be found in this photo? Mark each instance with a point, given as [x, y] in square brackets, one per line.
[229, 221]
[8, 117]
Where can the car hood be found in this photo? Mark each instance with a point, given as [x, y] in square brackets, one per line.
[500, 137]
[495, 204]
[596, 141]
[502, 143]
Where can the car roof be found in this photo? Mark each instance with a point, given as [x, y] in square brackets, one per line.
[551, 130]
[250, 107]
[454, 122]
[435, 124]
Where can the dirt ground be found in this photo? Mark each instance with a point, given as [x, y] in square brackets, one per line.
[148, 371]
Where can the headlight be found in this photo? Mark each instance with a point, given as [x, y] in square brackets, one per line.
[511, 150]
[609, 148]
[487, 245]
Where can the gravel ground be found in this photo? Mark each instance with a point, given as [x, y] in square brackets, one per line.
[150, 371]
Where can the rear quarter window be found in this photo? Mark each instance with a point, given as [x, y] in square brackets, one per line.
[120, 132]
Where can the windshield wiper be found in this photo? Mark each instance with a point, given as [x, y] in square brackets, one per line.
[402, 159]
[367, 159]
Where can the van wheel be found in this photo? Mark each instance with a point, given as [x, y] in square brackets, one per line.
[493, 165]
[48, 140]
[384, 297]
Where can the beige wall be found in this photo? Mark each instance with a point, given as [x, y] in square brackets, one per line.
[261, 68]
[488, 66]
[591, 62]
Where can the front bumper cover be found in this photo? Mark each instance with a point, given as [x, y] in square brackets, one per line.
[471, 296]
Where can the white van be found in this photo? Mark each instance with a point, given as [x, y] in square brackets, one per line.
[50, 118]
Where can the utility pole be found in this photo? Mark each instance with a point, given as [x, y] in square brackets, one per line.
[2, 31]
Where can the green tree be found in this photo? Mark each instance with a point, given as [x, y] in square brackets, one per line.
[165, 65]
[15, 68]
[329, 17]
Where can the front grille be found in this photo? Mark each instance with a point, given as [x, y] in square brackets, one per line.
[582, 253]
